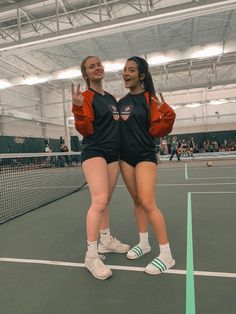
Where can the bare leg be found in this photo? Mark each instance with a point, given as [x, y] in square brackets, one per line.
[107, 242]
[113, 170]
[96, 173]
[146, 174]
[128, 174]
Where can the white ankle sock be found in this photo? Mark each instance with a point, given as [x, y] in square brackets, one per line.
[143, 239]
[92, 248]
[165, 251]
[105, 234]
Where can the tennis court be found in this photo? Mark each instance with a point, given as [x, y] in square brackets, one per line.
[42, 252]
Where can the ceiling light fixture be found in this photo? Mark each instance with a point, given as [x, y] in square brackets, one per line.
[216, 102]
[31, 80]
[113, 66]
[5, 84]
[193, 105]
[67, 74]
[208, 51]
[175, 107]
[158, 59]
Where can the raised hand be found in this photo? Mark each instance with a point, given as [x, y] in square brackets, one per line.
[77, 97]
[160, 101]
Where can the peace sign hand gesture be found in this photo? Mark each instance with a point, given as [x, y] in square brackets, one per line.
[77, 97]
[162, 101]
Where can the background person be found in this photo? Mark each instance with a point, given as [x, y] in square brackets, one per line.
[174, 148]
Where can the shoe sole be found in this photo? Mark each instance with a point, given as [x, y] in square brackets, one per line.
[137, 257]
[170, 265]
[97, 277]
[111, 251]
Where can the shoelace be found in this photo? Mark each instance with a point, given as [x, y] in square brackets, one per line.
[114, 240]
[102, 257]
[99, 261]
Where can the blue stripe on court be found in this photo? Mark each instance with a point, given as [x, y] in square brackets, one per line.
[190, 292]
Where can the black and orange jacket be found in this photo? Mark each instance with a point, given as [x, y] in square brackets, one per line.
[161, 118]
[141, 121]
[98, 121]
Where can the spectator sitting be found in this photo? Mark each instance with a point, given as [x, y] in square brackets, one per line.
[48, 159]
[48, 149]
[64, 148]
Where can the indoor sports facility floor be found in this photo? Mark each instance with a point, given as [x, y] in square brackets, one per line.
[42, 252]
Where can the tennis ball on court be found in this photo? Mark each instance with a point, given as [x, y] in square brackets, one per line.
[209, 163]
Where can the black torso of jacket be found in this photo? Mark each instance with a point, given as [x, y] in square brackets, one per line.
[135, 139]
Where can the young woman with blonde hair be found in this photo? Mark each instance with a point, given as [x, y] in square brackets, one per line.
[97, 119]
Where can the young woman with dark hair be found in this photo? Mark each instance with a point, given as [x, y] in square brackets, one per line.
[97, 119]
[144, 117]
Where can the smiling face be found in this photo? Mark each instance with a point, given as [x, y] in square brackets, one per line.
[93, 70]
[132, 78]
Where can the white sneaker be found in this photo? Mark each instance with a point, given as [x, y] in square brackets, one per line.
[158, 266]
[136, 252]
[112, 245]
[97, 268]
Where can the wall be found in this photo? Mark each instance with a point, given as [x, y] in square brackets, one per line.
[34, 111]
[207, 117]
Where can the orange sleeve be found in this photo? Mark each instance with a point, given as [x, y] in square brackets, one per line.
[84, 115]
[162, 119]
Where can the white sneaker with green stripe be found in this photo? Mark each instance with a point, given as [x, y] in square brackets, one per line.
[158, 266]
[136, 252]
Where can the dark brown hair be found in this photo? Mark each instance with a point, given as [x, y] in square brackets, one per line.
[143, 68]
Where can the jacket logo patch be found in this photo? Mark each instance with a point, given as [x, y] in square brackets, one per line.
[114, 111]
[126, 112]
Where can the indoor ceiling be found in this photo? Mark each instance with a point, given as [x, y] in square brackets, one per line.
[38, 37]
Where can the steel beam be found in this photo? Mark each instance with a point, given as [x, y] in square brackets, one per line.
[122, 24]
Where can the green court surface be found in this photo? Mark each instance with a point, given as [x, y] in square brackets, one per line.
[42, 252]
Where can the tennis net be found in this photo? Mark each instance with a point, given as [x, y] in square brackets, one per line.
[29, 181]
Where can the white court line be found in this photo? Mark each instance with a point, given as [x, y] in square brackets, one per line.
[215, 192]
[195, 168]
[170, 169]
[45, 187]
[117, 267]
[214, 274]
[183, 184]
[212, 178]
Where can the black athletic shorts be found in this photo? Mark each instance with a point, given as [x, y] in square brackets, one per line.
[133, 161]
[87, 154]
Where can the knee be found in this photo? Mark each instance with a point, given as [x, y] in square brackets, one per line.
[136, 200]
[100, 203]
[148, 205]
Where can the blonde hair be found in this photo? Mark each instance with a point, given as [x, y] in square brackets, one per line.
[83, 68]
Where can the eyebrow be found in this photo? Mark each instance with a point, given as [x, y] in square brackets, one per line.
[99, 62]
[130, 67]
